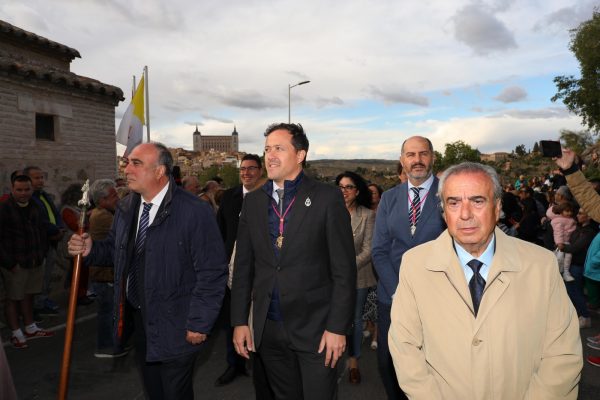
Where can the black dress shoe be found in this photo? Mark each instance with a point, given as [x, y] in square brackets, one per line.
[227, 377]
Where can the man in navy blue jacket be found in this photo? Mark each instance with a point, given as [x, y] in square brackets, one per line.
[408, 215]
[170, 271]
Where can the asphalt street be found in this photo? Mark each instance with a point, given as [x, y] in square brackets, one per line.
[36, 369]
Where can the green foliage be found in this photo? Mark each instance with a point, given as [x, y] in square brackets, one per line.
[228, 173]
[455, 153]
[582, 96]
[576, 141]
[438, 164]
[536, 147]
[520, 150]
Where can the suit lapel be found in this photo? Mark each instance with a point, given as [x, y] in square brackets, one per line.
[444, 260]
[430, 207]
[262, 224]
[402, 202]
[298, 212]
[237, 199]
[357, 220]
[498, 281]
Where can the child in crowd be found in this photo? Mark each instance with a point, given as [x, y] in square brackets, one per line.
[563, 224]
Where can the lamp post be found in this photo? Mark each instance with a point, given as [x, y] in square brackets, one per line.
[290, 98]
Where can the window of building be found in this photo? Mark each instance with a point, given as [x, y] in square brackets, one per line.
[44, 127]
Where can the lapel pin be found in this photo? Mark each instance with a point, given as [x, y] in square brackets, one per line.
[307, 203]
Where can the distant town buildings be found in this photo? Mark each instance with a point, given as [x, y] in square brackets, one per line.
[493, 157]
[223, 143]
[194, 162]
[51, 117]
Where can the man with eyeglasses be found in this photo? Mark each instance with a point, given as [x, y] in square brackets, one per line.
[408, 215]
[228, 217]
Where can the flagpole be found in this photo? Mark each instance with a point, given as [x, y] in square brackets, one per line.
[133, 87]
[147, 102]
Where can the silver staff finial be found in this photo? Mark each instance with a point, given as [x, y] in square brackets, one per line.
[85, 199]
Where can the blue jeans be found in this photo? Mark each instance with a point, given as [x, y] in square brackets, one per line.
[104, 296]
[356, 341]
[575, 291]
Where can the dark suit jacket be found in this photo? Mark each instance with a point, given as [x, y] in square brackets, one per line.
[392, 238]
[228, 216]
[315, 273]
[184, 271]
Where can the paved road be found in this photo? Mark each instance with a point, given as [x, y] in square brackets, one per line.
[36, 370]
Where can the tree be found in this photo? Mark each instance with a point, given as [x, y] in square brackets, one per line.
[458, 152]
[576, 141]
[582, 96]
[536, 147]
[228, 173]
[438, 164]
[520, 150]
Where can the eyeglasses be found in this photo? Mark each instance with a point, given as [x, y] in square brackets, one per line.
[249, 169]
[347, 187]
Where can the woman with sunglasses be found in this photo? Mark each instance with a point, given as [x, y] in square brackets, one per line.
[358, 202]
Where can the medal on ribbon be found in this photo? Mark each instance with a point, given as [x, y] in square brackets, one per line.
[279, 241]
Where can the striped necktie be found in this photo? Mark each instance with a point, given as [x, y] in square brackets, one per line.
[415, 206]
[133, 293]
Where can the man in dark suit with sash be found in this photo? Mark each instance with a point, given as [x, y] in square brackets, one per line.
[295, 262]
[408, 215]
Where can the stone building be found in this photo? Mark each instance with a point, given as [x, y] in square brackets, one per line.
[493, 157]
[51, 117]
[228, 144]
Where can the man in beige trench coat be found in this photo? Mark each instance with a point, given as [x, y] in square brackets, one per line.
[478, 314]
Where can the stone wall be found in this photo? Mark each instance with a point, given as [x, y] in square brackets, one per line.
[84, 145]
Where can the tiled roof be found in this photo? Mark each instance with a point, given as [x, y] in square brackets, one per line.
[36, 40]
[46, 73]
[14, 64]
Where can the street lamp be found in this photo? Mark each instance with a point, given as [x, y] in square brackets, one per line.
[290, 98]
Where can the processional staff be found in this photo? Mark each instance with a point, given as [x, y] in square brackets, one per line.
[84, 204]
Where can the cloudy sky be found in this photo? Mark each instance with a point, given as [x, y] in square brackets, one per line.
[380, 71]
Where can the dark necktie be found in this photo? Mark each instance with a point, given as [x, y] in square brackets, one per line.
[476, 284]
[415, 206]
[280, 203]
[133, 293]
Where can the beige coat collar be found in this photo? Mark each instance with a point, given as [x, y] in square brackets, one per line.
[444, 260]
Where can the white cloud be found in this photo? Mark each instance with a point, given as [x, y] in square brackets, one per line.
[481, 30]
[398, 95]
[511, 94]
[379, 71]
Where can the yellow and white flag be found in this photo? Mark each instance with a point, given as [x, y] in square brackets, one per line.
[130, 131]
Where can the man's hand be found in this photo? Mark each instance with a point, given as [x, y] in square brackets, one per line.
[567, 159]
[242, 340]
[80, 245]
[334, 346]
[195, 337]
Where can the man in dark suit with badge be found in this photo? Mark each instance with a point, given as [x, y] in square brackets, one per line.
[295, 264]
[408, 215]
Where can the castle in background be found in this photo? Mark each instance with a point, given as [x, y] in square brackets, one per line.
[223, 143]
